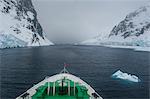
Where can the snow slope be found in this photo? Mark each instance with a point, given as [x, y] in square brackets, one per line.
[133, 32]
[19, 26]
[94, 41]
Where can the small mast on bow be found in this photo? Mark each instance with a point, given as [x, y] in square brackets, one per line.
[64, 69]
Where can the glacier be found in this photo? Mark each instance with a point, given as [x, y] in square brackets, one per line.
[9, 41]
[125, 76]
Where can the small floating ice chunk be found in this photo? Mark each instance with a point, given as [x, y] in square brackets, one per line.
[125, 76]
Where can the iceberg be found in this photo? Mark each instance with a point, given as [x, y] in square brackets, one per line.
[125, 76]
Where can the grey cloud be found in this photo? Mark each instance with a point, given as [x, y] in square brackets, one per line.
[70, 21]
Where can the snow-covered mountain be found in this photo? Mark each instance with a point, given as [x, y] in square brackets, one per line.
[97, 40]
[134, 30]
[19, 26]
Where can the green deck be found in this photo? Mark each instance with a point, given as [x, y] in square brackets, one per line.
[75, 91]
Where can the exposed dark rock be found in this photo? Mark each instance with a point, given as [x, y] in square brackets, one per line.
[131, 26]
[22, 7]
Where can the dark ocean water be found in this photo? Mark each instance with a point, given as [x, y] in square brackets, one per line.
[21, 68]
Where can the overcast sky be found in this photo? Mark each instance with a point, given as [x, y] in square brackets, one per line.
[70, 21]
